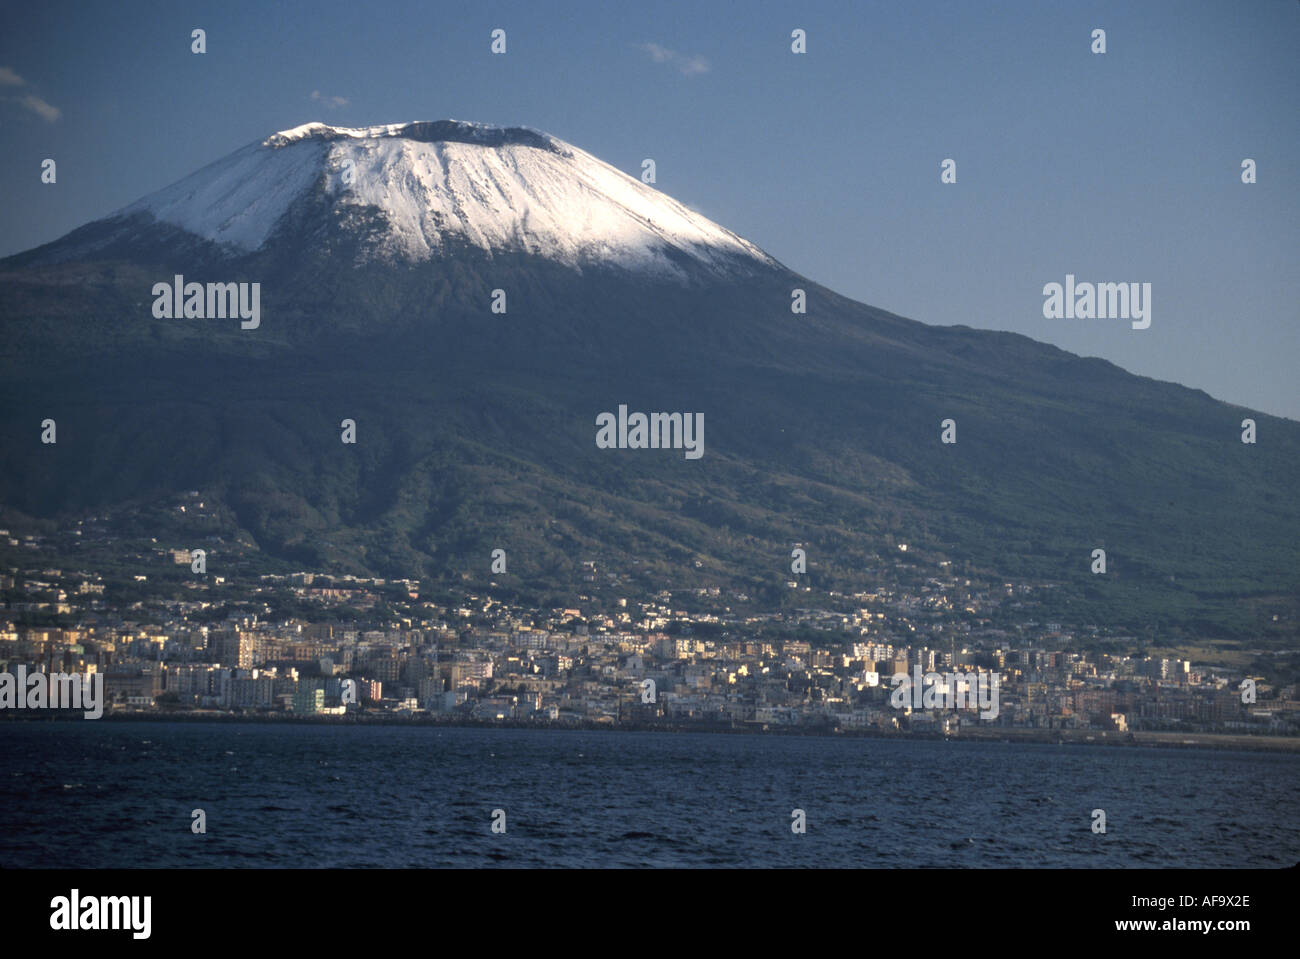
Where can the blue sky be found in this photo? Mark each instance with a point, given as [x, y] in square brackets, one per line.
[1123, 166]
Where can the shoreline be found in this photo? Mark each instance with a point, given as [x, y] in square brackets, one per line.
[1008, 734]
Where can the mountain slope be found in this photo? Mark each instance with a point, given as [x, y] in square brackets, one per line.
[476, 430]
[440, 187]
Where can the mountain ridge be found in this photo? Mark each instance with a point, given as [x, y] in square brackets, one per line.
[477, 429]
[433, 186]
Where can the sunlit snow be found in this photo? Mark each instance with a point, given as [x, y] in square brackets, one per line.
[560, 203]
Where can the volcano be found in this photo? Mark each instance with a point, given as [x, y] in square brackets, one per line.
[474, 300]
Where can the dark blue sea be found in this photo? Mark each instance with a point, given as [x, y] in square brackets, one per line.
[121, 794]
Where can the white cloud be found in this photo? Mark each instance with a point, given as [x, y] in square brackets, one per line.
[331, 102]
[41, 107]
[45, 111]
[657, 53]
[689, 66]
[692, 66]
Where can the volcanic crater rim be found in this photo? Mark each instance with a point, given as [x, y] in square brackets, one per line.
[422, 131]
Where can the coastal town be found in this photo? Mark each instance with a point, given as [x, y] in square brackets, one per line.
[304, 644]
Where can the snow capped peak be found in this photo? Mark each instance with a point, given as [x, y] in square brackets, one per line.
[424, 131]
[303, 132]
[438, 185]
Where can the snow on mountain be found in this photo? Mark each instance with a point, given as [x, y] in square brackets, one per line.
[498, 189]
